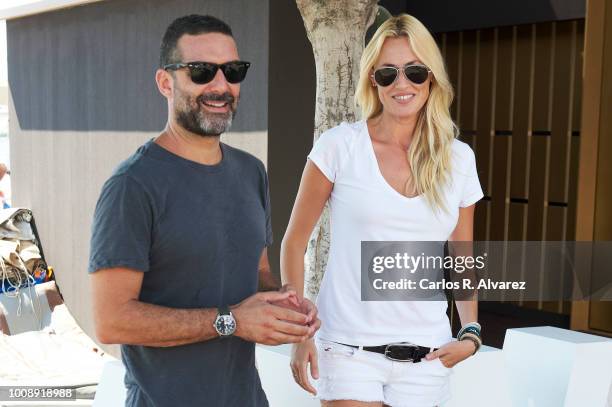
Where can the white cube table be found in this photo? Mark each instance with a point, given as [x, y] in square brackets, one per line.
[553, 367]
[480, 381]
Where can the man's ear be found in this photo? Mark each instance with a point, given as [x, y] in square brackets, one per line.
[165, 82]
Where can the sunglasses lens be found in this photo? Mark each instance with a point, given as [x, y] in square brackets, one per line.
[202, 73]
[385, 76]
[235, 72]
[416, 73]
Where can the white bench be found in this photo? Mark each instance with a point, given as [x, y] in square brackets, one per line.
[538, 367]
[555, 367]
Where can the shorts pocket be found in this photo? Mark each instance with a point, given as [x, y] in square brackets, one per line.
[334, 349]
[440, 366]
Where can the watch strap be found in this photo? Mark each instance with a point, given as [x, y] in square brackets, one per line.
[224, 310]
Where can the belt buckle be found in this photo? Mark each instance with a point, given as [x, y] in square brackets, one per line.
[392, 349]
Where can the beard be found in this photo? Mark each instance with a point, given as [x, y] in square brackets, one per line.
[190, 114]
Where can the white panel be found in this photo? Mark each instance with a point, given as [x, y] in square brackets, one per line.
[553, 367]
[590, 382]
[480, 381]
[37, 7]
[277, 381]
[111, 390]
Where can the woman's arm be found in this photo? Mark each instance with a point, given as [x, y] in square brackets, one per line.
[313, 192]
[456, 351]
[464, 232]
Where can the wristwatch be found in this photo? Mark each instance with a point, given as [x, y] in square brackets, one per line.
[225, 324]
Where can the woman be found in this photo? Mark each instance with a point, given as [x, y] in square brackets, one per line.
[398, 175]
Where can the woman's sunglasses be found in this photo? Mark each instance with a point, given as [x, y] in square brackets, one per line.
[386, 75]
[204, 72]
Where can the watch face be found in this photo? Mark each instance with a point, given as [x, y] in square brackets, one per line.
[225, 324]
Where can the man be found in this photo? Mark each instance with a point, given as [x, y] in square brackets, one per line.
[179, 234]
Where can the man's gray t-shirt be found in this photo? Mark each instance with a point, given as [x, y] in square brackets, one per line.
[197, 232]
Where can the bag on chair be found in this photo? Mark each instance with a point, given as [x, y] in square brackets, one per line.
[21, 260]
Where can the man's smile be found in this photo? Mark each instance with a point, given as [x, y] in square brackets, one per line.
[216, 106]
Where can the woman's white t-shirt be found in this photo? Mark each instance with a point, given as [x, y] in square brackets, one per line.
[364, 207]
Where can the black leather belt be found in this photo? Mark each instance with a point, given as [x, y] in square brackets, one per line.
[399, 352]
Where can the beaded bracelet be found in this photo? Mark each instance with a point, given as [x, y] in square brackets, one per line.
[472, 327]
[474, 324]
[472, 334]
[474, 338]
[475, 341]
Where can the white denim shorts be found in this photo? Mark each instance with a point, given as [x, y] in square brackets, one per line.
[347, 373]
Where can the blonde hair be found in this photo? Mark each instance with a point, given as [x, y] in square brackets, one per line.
[429, 154]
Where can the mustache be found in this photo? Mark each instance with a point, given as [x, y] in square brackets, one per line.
[215, 97]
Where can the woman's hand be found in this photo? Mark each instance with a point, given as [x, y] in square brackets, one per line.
[292, 301]
[453, 352]
[304, 305]
[308, 308]
[302, 354]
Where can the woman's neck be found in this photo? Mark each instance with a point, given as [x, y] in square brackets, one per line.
[394, 129]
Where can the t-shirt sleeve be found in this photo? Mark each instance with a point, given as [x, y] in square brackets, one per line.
[122, 225]
[472, 191]
[326, 153]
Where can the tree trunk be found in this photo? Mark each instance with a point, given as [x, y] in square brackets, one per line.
[336, 29]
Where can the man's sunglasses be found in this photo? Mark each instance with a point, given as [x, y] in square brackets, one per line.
[204, 72]
[386, 75]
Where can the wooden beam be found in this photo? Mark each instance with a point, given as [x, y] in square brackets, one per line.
[592, 86]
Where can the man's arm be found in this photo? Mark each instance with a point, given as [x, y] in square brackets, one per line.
[267, 280]
[119, 316]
